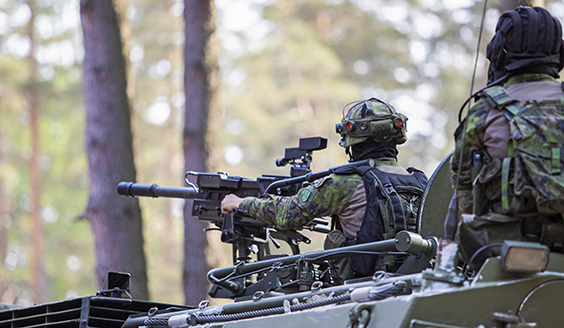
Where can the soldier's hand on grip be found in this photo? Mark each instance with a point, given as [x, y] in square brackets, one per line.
[229, 203]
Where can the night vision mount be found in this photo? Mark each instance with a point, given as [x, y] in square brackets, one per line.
[367, 127]
[367, 123]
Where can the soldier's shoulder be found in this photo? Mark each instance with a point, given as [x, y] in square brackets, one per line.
[478, 112]
[480, 105]
[338, 181]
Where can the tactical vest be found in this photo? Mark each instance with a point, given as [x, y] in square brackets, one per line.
[392, 203]
[534, 166]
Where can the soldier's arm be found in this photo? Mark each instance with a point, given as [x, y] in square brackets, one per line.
[324, 197]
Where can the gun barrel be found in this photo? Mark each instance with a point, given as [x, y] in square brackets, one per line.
[132, 189]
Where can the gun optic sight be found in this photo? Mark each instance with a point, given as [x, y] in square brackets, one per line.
[306, 147]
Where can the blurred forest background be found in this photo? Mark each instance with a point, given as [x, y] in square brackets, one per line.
[285, 71]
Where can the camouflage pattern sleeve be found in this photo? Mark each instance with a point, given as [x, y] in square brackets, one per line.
[467, 138]
[324, 197]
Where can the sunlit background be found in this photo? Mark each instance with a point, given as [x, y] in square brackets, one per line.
[286, 69]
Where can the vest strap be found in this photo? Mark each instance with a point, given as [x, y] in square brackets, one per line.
[387, 190]
[498, 97]
[505, 182]
[555, 161]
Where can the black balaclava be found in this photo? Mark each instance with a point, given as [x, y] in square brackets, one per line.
[527, 40]
[373, 149]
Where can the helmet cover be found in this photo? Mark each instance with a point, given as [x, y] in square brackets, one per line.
[371, 118]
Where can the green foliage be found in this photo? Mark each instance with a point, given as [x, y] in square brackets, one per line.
[158, 117]
[319, 55]
[68, 255]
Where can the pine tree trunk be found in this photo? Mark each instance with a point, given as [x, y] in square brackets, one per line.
[199, 26]
[116, 220]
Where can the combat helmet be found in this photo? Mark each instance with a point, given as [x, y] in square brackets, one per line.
[526, 40]
[371, 118]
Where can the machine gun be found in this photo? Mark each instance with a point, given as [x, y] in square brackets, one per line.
[244, 232]
[241, 231]
[247, 235]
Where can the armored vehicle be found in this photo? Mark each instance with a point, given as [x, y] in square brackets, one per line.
[520, 288]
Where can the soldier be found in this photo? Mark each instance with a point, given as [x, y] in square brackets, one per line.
[498, 186]
[371, 129]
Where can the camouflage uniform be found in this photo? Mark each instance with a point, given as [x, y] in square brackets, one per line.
[341, 195]
[487, 129]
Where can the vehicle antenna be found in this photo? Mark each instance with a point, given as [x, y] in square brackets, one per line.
[452, 216]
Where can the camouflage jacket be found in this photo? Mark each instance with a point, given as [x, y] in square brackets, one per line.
[486, 129]
[341, 195]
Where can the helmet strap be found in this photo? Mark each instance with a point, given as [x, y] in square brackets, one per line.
[349, 153]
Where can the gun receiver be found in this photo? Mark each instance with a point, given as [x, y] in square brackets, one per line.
[207, 193]
[209, 190]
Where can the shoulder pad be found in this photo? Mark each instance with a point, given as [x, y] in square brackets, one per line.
[419, 175]
[497, 96]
